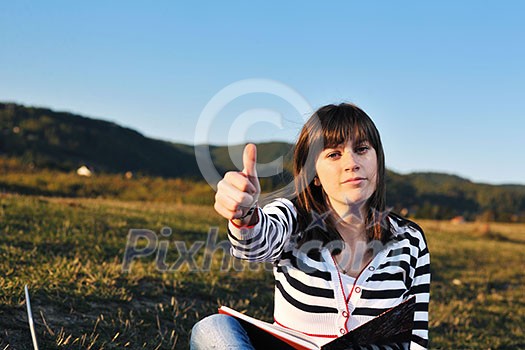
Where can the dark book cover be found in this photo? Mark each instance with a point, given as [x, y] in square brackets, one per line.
[393, 326]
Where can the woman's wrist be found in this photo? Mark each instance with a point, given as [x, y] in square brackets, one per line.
[250, 218]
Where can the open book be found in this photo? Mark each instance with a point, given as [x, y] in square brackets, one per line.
[392, 326]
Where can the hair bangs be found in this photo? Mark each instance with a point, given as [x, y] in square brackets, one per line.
[343, 126]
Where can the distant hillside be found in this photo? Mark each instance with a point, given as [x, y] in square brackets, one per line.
[39, 138]
[496, 202]
[49, 139]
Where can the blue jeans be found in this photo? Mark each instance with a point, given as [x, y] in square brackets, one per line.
[219, 332]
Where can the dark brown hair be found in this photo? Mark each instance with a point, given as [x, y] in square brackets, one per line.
[329, 127]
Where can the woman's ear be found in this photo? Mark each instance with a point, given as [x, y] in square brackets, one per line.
[317, 182]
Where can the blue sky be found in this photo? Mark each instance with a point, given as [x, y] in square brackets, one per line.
[444, 81]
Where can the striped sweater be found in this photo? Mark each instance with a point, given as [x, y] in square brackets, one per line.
[310, 293]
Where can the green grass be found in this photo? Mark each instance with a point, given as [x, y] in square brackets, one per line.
[54, 183]
[69, 252]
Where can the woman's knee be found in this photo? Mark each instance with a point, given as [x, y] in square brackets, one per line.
[219, 332]
[209, 323]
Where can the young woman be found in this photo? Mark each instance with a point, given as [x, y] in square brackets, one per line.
[340, 259]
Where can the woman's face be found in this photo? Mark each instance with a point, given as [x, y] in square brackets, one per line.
[348, 175]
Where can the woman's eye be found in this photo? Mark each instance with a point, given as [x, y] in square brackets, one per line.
[362, 149]
[333, 155]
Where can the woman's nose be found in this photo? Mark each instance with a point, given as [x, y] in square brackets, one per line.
[350, 162]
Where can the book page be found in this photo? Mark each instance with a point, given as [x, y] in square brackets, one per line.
[300, 340]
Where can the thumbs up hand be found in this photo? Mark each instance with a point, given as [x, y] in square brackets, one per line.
[238, 192]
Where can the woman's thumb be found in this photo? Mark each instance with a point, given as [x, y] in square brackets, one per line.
[249, 160]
